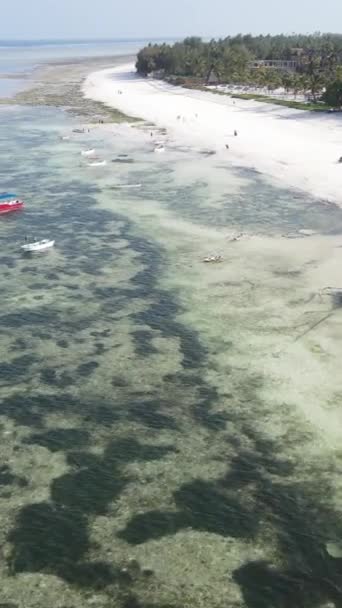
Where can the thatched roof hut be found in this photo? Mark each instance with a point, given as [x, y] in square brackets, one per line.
[212, 77]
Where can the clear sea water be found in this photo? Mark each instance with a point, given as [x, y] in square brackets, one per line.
[163, 443]
[21, 57]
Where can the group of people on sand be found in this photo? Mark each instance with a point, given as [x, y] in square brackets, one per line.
[179, 117]
[235, 135]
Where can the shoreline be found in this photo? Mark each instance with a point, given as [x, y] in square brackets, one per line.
[294, 148]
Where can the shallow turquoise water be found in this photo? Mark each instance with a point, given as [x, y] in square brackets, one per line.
[19, 57]
[125, 433]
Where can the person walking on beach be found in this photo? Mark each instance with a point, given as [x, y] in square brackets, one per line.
[235, 133]
[227, 147]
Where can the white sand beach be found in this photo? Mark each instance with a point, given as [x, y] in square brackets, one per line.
[296, 148]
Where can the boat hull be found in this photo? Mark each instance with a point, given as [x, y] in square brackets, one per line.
[38, 246]
[9, 207]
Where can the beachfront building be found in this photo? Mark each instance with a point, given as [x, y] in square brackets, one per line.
[287, 65]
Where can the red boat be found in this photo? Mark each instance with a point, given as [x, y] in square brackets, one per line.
[9, 202]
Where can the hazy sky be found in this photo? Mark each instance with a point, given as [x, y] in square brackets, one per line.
[158, 18]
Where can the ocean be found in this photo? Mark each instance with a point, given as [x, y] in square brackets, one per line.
[18, 58]
[158, 415]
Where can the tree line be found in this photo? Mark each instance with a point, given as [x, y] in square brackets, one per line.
[318, 62]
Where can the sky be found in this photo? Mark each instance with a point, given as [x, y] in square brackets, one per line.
[39, 19]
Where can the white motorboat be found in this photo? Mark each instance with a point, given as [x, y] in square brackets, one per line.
[160, 148]
[88, 152]
[38, 246]
[97, 163]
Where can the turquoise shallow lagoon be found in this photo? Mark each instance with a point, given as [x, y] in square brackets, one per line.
[170, 430]
[18, 58]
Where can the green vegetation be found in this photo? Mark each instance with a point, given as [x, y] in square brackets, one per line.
[333, 94]
[315, 67]
[296, 105]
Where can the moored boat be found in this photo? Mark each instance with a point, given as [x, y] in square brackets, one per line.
[213, 258]
[88, 152]
[124, 186]
[97, 163]
[37, 246]
[9, 202]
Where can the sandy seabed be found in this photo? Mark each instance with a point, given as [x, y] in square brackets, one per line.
[170, 429]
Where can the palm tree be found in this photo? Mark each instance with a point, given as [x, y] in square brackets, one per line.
[261, 77]
[303, 83]
[287, 81]
[273, 80]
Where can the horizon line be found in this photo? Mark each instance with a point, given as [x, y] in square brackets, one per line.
[85, 39]
[164, 38]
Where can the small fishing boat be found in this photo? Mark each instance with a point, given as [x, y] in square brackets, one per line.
[307, 232]
[123, 160]
[37, 246]
[78, 130]
[213, 258]
[9, 202]
[159, 148]
[65, 137]
[126, 186]
[207, 152]
[236, 237]
[88, 152]
[97, 163]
